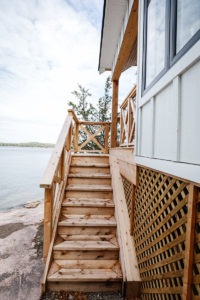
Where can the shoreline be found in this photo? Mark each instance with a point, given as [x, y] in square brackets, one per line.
[28, 145]
[9, 209]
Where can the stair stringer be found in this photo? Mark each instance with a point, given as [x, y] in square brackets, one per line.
[55, 227]
[127, 253]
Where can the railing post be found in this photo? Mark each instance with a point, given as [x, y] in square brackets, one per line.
[76, 138]
[114, 114]
[69, 139]
[48, 204]
[106, 137]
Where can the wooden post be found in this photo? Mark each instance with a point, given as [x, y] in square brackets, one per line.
[76, 137]
[106, 137]
[114, 114]
[47, 221]
[62, 165]
[132, 211]
[69, 139]
[189, 243]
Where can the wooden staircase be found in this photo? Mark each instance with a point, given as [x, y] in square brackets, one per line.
[85, 250]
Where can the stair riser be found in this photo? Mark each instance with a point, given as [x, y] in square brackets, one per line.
[90, 159]
[71, 230]
[89, 194]
[74, 254]
[89, 170]
[88, 264]
[89, 181]
[85, 286]
[88, 210]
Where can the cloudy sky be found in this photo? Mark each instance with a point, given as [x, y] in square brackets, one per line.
[46, 48]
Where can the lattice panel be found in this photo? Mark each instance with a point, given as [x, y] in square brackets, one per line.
[196, 265]
[128, 190]
[160, 212]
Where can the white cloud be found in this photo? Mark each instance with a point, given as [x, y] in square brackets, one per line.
[47, 47]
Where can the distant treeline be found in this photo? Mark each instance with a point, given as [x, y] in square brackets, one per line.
[31, 144]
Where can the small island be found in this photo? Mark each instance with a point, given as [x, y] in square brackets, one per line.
[29, 144]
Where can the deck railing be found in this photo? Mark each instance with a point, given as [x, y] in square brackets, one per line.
[127, 120]
[90, 136]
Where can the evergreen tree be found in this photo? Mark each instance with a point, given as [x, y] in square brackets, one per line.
[84, 110]
[104, 103]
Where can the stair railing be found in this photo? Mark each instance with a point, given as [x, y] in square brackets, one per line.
[127, 120]
[54, 181]
[55, 177]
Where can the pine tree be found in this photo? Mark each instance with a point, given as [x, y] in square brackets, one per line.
[104, 103]
[84, 110]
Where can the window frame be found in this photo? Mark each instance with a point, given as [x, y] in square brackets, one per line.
[171, 57]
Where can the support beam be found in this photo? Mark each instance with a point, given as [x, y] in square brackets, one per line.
[114, 113]
[189, 243]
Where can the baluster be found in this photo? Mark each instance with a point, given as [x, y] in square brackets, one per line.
[48, 205]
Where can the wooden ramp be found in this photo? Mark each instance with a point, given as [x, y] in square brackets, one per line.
[85, 252]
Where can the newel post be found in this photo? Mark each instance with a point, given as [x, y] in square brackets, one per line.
[114, 113]
[48, 203]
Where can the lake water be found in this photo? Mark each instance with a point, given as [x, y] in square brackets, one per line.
[21, 170]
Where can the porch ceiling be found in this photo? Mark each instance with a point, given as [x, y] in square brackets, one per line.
[113, 16]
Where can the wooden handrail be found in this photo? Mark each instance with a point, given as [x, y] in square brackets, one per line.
[131, 94]
[54, 180]
[73, 115]
[48, 177]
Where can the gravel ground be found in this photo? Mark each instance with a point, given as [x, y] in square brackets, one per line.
[79, 296]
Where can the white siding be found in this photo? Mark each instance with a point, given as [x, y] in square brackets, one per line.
[190, 115]
[146, 130]
[168, 132]
[165, 125]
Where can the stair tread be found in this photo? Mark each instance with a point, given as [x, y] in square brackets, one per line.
[89, 175]
[87, 220]
[91, 164]
[83, 187]
[86, 237]
[84, 264]
[89, 155]
[91, 275]
[93, 202]
[87, 245]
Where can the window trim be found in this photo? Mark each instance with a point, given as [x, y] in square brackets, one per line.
[171, 57]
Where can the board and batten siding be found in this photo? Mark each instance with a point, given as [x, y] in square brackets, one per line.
[168, 116]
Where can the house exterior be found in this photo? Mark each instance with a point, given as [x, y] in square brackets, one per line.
[126, 218]
[162, 39]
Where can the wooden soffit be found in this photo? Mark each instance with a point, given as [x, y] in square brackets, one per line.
[113, 16]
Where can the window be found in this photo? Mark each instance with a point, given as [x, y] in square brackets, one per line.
[171, 27]
[188, 21]
[155, 45]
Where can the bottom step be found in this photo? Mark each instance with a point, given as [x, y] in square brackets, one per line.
[85, 275]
